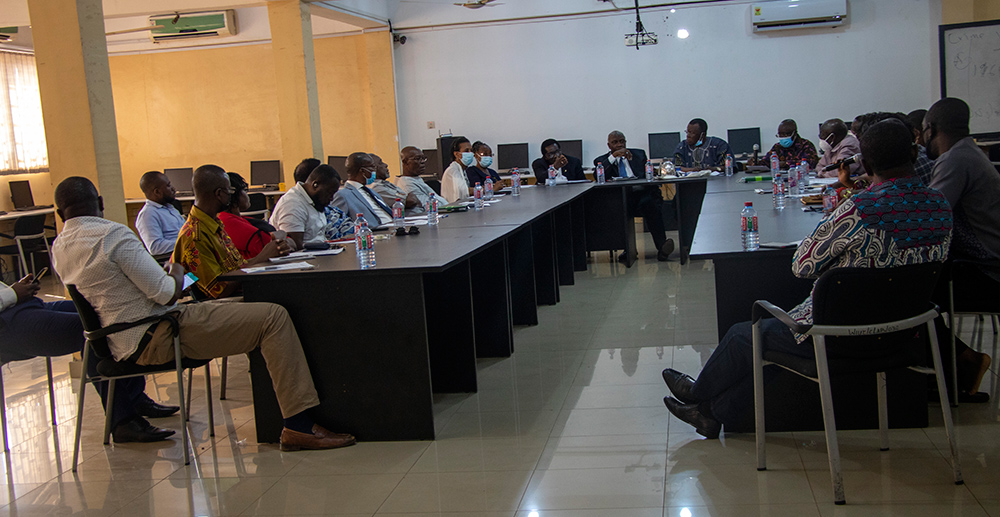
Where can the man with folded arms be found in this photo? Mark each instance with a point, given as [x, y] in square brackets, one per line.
[861, 232]
[112, 270]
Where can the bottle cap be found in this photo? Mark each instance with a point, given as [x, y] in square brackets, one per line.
[361, 215]
[748, 203]
[477, 183]
[397, 199]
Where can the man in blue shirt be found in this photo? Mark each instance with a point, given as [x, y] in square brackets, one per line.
[158, 221]
[699, 151]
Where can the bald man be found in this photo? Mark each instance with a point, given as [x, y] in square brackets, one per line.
[389, 192]
[414, 165]
[836, 144]
[158, 221]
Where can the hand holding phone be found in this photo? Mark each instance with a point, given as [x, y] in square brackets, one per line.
[41, 274]
[189, 280]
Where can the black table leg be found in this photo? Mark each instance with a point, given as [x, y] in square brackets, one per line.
[491, 300]
[608, 224]
[450, 329]
[578, 208]
[546, 276]
[563, 220]
[688, 200]
[521, 252]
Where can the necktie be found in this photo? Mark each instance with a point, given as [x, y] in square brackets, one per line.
[378, 201]
[622, 171]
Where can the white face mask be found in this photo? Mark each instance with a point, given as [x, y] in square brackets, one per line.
[825, 146]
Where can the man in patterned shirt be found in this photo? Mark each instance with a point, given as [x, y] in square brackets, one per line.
[849, 237]
[791, 148]
[203, 246]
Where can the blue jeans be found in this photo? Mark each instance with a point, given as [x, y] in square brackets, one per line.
[725, 386]
[36, 329]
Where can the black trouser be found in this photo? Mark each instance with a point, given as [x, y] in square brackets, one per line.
[974, 291]
[646, 202]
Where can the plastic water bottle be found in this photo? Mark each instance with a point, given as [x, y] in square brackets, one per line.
[488, 193]
[600, 174]
[649, 171]
[359, 223]
[432, 211]
[748, 223]
[478, 194]
[515, 182]
[366, 248]
[793, 181]
[729, 165]
[551, 180]
[804, 176]
[397, 214]
[775, 164]
[778, 191]
[829, 200]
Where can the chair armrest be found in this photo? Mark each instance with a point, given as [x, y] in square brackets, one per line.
[103, 332]
[760, 307]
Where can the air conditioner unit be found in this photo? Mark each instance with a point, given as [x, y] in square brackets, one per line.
[797, 14]
[193, 25]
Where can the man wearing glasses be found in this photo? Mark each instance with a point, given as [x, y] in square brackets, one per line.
[203, 246]
[791, 148]
[300, 211]
[414, 165]
[837, 144]
[699, 151]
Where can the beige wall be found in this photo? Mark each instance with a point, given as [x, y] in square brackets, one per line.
[188, 108]
[963, 11]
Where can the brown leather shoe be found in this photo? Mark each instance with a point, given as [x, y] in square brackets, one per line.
[319, 439]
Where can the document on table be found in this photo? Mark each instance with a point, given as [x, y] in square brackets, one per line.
[306, 255]
[291, 266]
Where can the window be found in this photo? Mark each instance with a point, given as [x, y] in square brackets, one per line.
[22, 133]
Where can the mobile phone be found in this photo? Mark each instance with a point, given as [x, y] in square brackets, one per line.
[41, 274]
[189, 280]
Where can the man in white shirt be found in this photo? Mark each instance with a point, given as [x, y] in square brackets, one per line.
[357, 197]
[112, 270]
[414, 165]
[158, 221]
[299, 212]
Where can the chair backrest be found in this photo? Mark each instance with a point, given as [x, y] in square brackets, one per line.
[258, 202]
[29, 225]
[91, 321]
[435, 185]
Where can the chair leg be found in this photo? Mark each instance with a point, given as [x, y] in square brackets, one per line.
[190, 382]
[184, 407]
[208, 398]
[79, 406]
[883, 414]
[108, 411]
[758, 395]
[951, 329]
[3, 414]
[223, 371]
[829, 422]
[52, 390]
[996, 324]
[949, 426]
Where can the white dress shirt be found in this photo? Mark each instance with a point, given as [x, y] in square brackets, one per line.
[8, 298]
[295, 212]
[454, 183]
[112, 269]
[384, 217]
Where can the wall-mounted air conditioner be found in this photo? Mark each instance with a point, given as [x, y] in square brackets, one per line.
[797, 14]
[193, 25]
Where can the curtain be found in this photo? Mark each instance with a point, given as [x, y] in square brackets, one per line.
[22, 133]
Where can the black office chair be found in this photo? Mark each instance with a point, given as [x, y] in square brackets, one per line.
[968, 303]
[867, 334]
[29, 238]
[110, 370]
[4, 359]
[434, 185]
[258, 207]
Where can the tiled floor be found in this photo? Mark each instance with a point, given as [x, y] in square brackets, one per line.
[572, 425]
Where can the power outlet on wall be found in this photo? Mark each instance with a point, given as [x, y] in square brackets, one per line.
[430, 124]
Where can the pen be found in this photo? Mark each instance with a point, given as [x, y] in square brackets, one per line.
[748, 179]
[270, 268]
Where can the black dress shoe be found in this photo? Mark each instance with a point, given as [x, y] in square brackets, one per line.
[689, 413]
[150, 409]
[680, 385]
[664, 252]
[139, 430]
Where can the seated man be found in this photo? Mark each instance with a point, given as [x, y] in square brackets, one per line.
[964, 174]
[249, 236]
[698, 151]
[299, 212]
[390, 192]
[303, 169]
[852, 236]
[338, 224]
[158, 221]
[566, 166]
[32, 328]
[203, 246]
[415, 165]
[645, 201]
[924, 166]
[837, 144]
[791, 148]
[105, 261]
[356, 198]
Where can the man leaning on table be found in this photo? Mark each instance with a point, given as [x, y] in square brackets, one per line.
[300, 211]
[567, 167]
[109, 266]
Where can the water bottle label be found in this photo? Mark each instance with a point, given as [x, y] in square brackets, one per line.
[367, 242]
[749, 224]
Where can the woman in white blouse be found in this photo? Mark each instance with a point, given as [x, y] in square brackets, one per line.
[454, 183]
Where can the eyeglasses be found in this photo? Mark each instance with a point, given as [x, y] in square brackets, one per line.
[401, 231]
[230, 190]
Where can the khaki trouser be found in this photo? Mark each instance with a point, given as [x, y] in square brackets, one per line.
[213, 329]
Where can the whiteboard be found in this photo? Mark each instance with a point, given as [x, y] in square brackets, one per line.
[970, 70]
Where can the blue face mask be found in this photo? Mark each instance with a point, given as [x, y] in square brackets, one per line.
[786, 142]
[468, 159]
[485, 161]
[370, 179]
[698, 144]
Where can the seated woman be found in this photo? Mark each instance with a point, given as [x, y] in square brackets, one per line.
[479, 171]
[249, 235]
[454, 184]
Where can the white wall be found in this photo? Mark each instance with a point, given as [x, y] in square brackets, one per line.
[574, 78]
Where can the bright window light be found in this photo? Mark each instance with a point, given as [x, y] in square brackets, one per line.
[22, 133]
[683, 34]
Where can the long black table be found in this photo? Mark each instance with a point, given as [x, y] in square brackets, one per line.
[380, 341]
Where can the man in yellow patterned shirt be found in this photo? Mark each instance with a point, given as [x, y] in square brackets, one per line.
[203, 246]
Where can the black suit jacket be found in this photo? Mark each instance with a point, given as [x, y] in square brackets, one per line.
[637, 163]
[573, 169]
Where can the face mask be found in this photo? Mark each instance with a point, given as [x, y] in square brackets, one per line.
[371, 179]
[468, 159]
[698, 144]
[786, 142]
[485, 161]
[825, 146]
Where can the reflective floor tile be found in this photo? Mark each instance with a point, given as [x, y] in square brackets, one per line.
[499, 424]
[485, 454]
[211, 496]
[697, 485]
[458, 492]
[325, 495]
[362, 458]
[594, 488]
[611, 421]
[632, 452]
[739, 510]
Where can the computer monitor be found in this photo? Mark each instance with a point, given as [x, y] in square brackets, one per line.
[741, 141]
[663, 145]
[512, 155]
[572, 148]
[434, 166]
[181, 179]
[339, 163]
[20, 193]
[265, 173]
